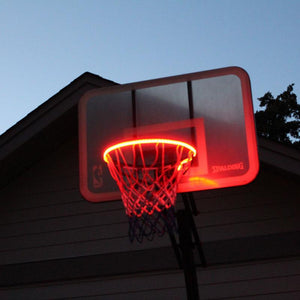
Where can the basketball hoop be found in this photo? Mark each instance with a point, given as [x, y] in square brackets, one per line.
[147, 172]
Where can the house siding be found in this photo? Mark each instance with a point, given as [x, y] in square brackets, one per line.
[45, 223]
[264, 280]
[45, 217]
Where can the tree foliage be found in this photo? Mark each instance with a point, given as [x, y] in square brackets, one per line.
[280, 121]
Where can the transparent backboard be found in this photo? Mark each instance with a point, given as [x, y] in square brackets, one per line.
[211, 110]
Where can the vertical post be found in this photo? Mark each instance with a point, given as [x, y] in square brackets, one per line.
[186, 245]
[133, 102]
[186, 197]
[191, 110]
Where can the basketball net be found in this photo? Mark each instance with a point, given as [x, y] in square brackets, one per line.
[147, 172]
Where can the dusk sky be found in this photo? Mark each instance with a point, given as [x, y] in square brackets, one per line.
[47, 44]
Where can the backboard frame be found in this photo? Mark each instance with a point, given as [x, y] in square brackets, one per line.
[199, 182]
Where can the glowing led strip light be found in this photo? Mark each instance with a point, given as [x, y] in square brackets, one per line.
[148, 141]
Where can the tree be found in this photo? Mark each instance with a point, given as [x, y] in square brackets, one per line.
[280, 121]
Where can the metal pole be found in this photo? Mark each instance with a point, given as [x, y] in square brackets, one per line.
[186, 197]
[186, 245]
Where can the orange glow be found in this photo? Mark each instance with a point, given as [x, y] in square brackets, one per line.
[203, 180]
[183, 162]
[150, 141]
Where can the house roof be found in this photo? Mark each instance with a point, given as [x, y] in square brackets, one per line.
[46, 127]
[279, 155]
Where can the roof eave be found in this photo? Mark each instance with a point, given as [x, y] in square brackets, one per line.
[49, 111]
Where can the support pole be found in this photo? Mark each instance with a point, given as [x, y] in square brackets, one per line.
[186, 245]
[190, 210]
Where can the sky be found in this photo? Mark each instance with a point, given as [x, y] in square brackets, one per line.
[44, 45]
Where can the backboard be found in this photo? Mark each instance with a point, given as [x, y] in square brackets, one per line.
[211, 110]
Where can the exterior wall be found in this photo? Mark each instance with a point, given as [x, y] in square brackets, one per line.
[44, 219]
[272, 280]
[269, 205]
